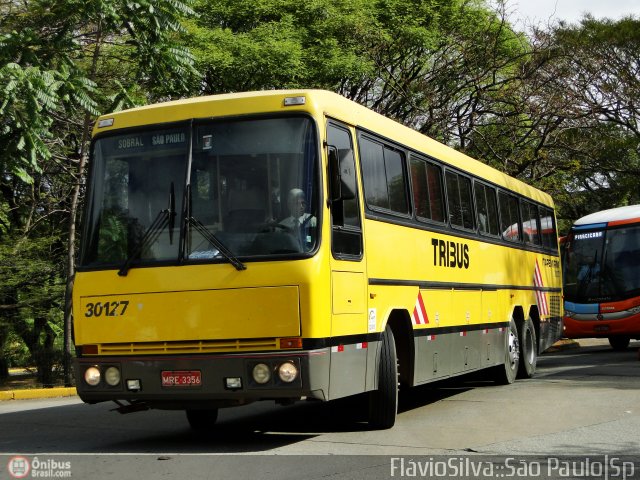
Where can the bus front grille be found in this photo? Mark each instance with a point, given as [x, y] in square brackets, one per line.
[196, 346]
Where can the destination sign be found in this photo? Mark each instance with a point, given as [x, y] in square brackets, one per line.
[585, 236]
[153, 140]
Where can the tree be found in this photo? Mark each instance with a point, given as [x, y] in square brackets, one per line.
[243, 45]
[600, 60]
[61, 62]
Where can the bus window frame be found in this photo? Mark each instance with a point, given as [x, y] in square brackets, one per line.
[428, 161]
[528, 203]
[411, 221]
[334, 123]
[458, 173]
[495, 190]
[386, 143]
[520, 239]
[190, 124]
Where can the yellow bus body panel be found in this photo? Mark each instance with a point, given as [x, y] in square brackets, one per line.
[203, 302]
[196, 315]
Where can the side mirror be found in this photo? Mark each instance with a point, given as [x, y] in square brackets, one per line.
[342, 174]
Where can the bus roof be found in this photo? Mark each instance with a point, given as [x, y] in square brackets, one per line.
[611, 217]
[320, 102]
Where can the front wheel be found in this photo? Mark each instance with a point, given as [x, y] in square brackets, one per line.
[383, 402]
[506, 373]
[202, 420]
[528, 350]
[619, 342]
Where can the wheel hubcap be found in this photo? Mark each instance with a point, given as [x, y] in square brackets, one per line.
[514, 351]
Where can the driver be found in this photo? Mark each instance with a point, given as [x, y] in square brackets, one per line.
[298, 217]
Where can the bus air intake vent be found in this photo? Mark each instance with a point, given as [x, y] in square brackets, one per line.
[198, 346]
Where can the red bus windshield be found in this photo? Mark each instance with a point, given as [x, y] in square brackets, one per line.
[602, 265]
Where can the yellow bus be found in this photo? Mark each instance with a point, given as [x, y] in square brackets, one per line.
[288, 245]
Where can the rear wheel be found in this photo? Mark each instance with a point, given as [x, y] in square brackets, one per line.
[202, 420]
[506, 373]
[383, 402]
[528, 350]
[619, 342]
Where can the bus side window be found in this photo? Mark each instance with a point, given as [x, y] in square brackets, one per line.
[530, 223]
[428, 196]
[548, 229]
[459, 200]
[487, 205]
[346, 232]
[383, 175]
[509, 217]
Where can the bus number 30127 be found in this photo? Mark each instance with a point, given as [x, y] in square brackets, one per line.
[108, 309]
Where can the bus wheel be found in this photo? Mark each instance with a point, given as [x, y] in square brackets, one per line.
[202, 420]
[506, 373]
[383, 402]
[619, 342]
[528, 350]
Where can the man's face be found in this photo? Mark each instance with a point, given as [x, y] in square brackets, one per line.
[299, 206]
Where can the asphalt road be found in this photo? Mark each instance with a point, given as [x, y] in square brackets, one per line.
[583, 402]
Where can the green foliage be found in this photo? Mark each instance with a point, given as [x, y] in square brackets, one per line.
[32, 293]
[61, 63]
[26, 95]
[251, 45]
[4, 218]
[557, 108]
[16, 353]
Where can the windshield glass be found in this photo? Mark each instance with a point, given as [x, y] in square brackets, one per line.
[250, 186]
[602, 265]
[131, 185]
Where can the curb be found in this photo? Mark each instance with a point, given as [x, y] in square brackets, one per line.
[33, 393]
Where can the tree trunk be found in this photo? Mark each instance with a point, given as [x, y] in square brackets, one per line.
[4, 364]
[73, 214]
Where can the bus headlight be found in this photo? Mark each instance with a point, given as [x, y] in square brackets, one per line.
[287, 372]
[92, 376]
[112, 376]
[261, 373]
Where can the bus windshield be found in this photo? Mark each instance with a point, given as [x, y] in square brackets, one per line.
[203, 192]
[602, 265]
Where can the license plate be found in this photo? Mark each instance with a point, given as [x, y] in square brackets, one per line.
[601, 328]
[181, 378]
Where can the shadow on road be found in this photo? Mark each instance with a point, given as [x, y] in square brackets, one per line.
[255, 428]
[263, 426]
[599, 365]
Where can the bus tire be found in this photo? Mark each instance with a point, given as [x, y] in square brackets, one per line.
[528, 350]
[202, 420]
[619, 343]
[506, 373]
[383, 402]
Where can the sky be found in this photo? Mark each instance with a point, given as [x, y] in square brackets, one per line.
[541, 11]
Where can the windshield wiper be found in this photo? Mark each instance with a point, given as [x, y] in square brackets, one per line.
[211, 238]
[163, 219]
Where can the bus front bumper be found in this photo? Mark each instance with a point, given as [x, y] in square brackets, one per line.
[215, 380]
[591, 326]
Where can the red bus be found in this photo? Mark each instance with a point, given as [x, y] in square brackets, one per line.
[601, 270]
